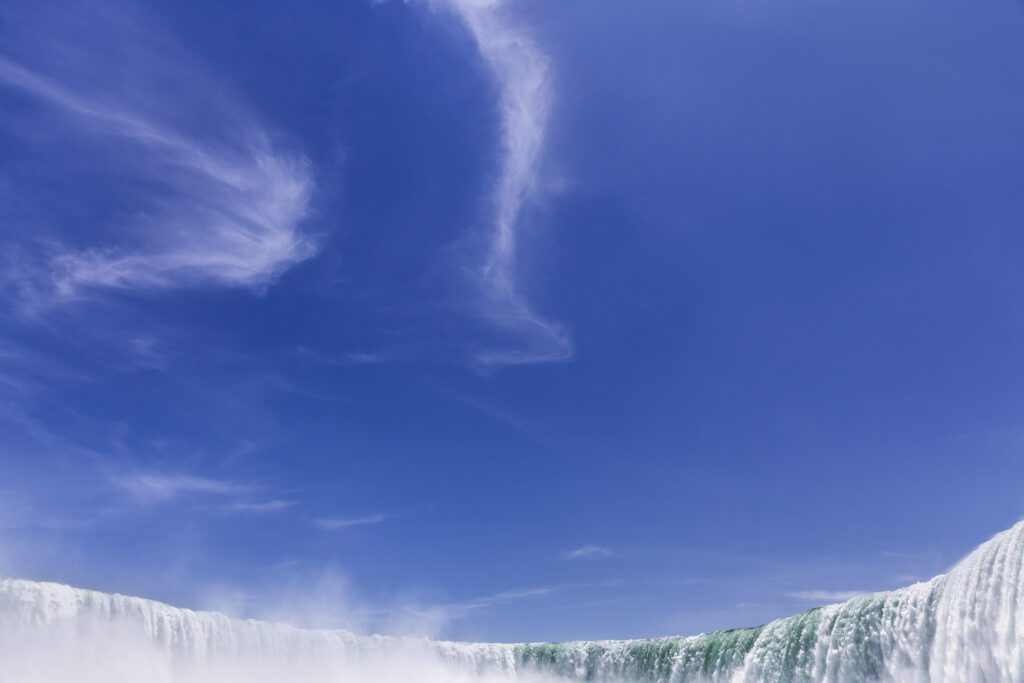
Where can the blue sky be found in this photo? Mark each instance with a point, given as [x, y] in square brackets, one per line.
[509, 320]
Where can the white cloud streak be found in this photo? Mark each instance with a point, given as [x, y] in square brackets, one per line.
[338, 523]
[823, 596]
[522, 73]
[154, 488]
[262, 507]
[588, 551]
[230, 215]
[502, 598]
[436, 616]
[447, 612]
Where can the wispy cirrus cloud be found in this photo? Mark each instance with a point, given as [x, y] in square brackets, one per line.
[427, 618]
[825, 596]
[152, 487]
[451, 611]
[502, 597]
[588, 551]
[262, 507]
[221, 208]
[522, 74]
[338, 523]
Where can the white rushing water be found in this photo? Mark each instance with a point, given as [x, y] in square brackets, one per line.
[966, 626]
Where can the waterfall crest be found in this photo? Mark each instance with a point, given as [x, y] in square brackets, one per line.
[967, 625]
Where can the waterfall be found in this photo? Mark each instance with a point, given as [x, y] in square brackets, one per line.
[966, 626]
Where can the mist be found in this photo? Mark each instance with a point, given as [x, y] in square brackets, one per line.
[51, 633]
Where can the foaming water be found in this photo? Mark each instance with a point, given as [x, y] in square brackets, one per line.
[966, 626]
